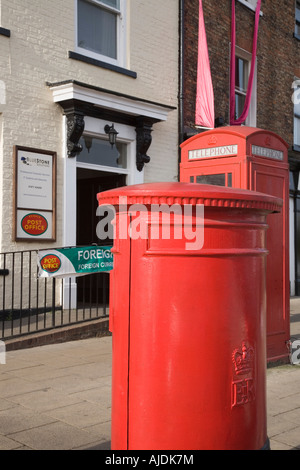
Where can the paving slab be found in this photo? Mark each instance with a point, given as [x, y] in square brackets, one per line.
[58, 397]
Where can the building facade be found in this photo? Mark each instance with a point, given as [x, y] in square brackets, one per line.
[275, 95]
[70, 72]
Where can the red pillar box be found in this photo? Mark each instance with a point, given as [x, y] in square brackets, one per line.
[187, 317]
[254, 159]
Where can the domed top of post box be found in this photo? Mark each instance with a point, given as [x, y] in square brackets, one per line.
[189, 193]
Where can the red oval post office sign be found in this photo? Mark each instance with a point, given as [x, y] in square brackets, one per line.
[50, 263]
[34, 224]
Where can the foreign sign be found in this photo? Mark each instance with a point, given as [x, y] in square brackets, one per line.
[225, 151]
[67, 262]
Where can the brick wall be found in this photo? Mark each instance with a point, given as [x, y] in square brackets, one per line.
[278, 59]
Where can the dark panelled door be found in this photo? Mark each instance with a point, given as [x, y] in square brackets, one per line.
[92, 288]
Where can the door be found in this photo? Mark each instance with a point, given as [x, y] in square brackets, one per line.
[94, 288]
[274, 181]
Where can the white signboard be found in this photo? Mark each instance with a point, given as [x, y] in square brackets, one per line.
[34, 176]
[36, 224]
[35, 181]
[225, 151]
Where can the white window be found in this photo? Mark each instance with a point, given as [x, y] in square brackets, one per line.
[296, 101]
[241, 82]
[242, 72]
[101, 30]
[250, 4]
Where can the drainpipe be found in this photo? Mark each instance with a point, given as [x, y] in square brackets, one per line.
[181, 79]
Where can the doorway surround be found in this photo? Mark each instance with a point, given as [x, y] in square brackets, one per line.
[86, 111]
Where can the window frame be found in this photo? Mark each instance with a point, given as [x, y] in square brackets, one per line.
[297, 22]
[121, 41]
[238, 90]
[252, 115]
[250, 5]
[296, 116]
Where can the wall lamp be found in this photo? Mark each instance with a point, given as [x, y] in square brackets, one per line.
[112, 134]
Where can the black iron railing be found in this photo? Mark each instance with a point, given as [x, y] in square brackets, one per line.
[29, 304]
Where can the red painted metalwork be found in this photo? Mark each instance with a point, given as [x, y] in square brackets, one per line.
[189, 336]
[254, 159]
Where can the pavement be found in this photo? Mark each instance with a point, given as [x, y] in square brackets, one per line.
[58, 397]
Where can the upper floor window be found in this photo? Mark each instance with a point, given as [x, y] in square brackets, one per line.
[241, 82]
[296, 101]
[250, 4]
[242, 71]
[101, 30]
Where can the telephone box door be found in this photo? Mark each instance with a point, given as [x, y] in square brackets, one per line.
[273, 181]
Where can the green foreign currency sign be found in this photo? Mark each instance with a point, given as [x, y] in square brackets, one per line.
[67, 262]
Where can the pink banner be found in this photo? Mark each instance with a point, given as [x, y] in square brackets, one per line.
[243, 116]
[205, 114]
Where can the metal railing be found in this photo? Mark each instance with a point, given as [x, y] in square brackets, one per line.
[30, 304]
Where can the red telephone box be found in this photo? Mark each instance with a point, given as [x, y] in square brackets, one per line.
[257, 160]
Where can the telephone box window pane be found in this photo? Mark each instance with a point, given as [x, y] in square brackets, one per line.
[229, 180]
[217, 180]
[100, 152]
[191, 179]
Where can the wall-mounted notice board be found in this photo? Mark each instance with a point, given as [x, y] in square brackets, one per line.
[34, 194]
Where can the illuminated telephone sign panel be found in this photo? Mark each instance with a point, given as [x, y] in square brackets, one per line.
[256, 159]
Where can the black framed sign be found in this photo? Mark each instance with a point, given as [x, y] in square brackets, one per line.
[34, 194]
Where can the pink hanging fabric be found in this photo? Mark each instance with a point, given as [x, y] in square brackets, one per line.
[243, 116]
[205, 113]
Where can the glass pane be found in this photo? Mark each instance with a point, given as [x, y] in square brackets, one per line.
[292, 181]
[241, 74]
[97, 29]
[191, 179]
[296, 99]
[296, 131]
[298, 11]
[239, 104]
[112, 3]
[229, 180]
[217, 180]
[100, 152]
